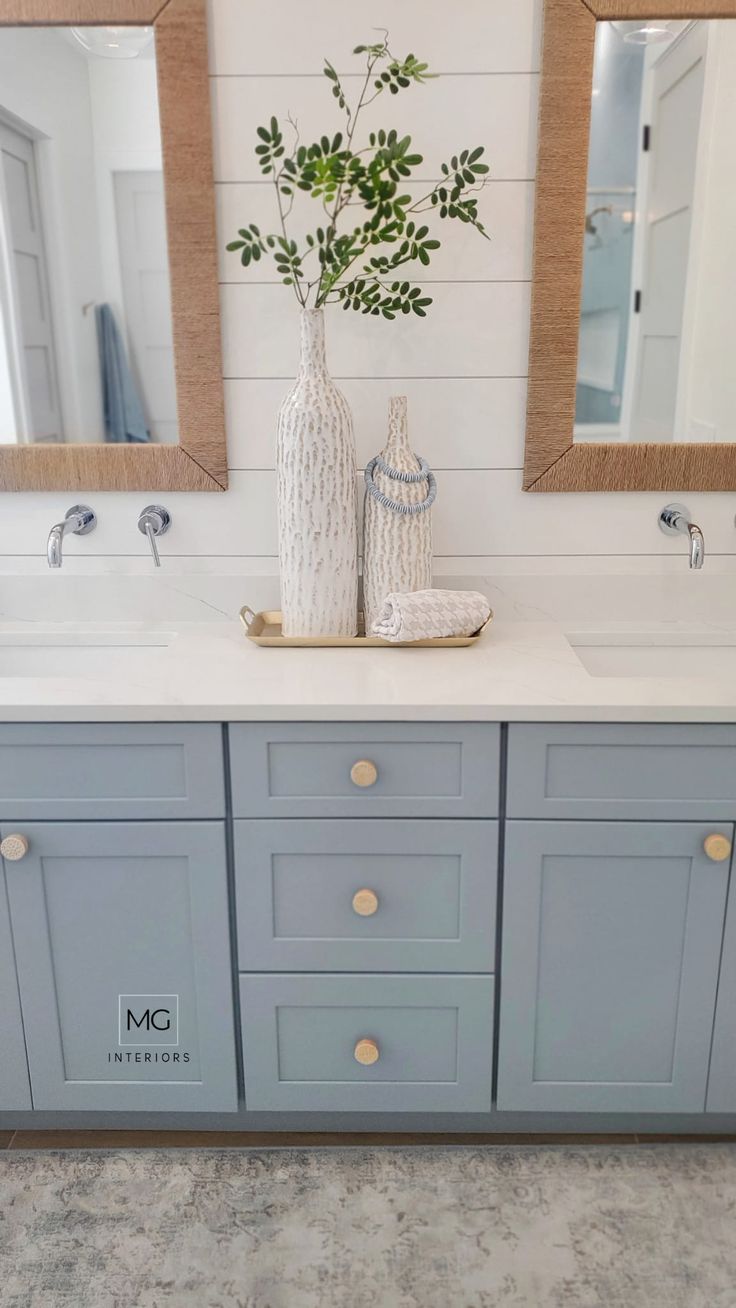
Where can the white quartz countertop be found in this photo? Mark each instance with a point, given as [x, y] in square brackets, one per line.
[519, 671]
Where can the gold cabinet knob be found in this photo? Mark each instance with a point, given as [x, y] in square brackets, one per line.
[366, 1052]
[14, 847]
[364, 773]
[717, 847]
[365, 903]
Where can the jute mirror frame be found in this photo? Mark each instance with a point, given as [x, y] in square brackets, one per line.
[199, 461]
[552, 461]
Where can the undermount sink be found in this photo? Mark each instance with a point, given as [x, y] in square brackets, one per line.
[100, 655]
[709, 655]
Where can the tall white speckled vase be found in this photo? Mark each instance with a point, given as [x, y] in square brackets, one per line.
[315, 466]
[397, 547]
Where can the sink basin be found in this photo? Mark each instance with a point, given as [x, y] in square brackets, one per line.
[672, 654]
[100, 655]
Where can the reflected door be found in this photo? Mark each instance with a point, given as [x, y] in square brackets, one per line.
[144, 264]
[675, 124]
[30, 362]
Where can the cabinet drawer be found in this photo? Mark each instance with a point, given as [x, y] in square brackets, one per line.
[433, 1037]
[430, 903]
[142, 770]
[609, 771]
[308, 769]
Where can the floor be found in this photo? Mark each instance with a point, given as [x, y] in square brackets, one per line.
[538, 1226]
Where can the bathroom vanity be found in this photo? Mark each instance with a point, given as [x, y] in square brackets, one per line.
[457, 916]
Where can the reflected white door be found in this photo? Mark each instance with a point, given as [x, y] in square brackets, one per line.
[144, 266]
[29, 331]
[678, 78]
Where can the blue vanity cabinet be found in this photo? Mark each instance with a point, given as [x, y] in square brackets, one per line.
[15, 1091]
[609, 967]
[121, 934]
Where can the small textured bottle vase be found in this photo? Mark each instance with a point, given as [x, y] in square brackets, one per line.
[315, 467]
[397, 546]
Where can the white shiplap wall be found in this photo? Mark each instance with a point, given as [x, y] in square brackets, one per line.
[463, 367]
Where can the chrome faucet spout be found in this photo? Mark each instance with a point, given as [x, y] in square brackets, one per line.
[79, 520]
[697, 545]
[53, 548]
[674, 520]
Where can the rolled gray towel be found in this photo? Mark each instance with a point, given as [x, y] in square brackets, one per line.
[431, 614]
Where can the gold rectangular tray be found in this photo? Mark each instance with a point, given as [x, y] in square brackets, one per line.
[265, 629]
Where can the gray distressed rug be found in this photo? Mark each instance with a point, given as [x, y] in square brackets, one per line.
[436, 1227]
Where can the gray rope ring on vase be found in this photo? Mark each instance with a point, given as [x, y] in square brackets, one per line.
[425, 474]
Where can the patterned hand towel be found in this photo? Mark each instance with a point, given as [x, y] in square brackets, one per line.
[428, 614]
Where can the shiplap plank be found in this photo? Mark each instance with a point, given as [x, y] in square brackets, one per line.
[472, 330]
[505, 207]
[478, 513]
[474, 423]
[494, 36]
[442, 118]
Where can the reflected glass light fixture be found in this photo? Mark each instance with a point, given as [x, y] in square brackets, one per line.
[114, 42]
[649, 31]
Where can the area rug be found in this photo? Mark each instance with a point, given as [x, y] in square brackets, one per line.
[439, 1227]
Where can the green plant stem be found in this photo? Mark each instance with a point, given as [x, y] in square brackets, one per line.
[339, 205]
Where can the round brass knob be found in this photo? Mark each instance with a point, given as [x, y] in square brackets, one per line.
[365, 903]
[717, 847]
[364, 773]
[366, 1052]
[14, 847]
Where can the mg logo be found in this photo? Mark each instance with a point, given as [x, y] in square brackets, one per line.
[148, 1019]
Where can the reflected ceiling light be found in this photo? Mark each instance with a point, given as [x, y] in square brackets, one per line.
[649, 31]
[114, 42]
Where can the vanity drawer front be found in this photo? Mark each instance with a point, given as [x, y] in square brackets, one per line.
[141, 770]
[428, 901]
[431, 1038]
[308, 769]
[608, 771]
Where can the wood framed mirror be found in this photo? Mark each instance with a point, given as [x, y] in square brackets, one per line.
[632, 384]
[110, 358]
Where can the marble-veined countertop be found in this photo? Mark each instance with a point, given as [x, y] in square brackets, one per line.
[519, 671]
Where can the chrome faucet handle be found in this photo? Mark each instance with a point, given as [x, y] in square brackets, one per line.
[154, 521]
[674, 520]
[80, 520]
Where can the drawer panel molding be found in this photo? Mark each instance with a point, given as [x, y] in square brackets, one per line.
[588, 770]
[111, 771]
[362, 769]
[369, 896]
[367, 1043]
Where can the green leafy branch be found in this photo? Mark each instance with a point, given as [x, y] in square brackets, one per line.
[372, 179]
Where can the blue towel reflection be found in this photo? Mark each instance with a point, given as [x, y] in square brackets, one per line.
[123, 411]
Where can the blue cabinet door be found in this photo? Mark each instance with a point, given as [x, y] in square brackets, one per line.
[609, 966]
[722, 1081]
[15, 1091]
[122, 946]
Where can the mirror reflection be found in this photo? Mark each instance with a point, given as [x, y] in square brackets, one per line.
[658, 312]
[86, 350]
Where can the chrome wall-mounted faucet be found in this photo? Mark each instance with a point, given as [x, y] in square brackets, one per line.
[79, 521]
[154, 521]
[674, 520]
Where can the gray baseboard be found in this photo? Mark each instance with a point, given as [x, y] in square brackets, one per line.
[446, 1123]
